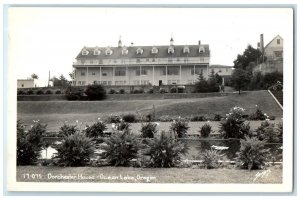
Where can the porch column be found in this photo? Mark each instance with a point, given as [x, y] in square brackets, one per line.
[113, 83]
[87, 75]
[100, 74]
[140, 75]
[166, 74]
[127, 75]
[207, 71]
[180, 74]
[153, 75]
[194, 74]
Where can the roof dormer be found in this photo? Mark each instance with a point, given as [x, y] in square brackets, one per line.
[124, 51]
[97, 51]
[108, 51]
[139, 51]
[201, 49]
[171, 50]
[154, 50]
[84, 52]
[186, 50]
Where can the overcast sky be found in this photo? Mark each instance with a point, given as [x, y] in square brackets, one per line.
[49, 39]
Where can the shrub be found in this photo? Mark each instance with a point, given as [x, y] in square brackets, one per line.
[30, 92]
[180, 89]
[113, 119]
[138, 91]
[111, 91]
[162, 90]
[121, 148]
[73, 93]
[267, 132]
[123, 126]
[48, 92]
[149, 130]
[67, 130]
[95, 130]
[205, 130]
[258, 115]
[252, 154]
[173, 90]
[40, 92]
[130, 118]
[234, 126]
[21, 92]
[217, 117]
[211, 158]
[165, 118]
[165, 151]
[75, 150]
[121, 91]
[29, 144]
[95, 92]
[198, 118]
[57, 92]
[280, 131]
[150, 91]
[179, 127]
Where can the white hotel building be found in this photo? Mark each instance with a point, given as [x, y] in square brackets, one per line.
[142, 65]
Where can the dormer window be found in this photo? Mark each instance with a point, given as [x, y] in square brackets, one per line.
[84, 52]
[186, 50]
[97, 52]
[154, 50]
[171, 50]
[139, 51]
[124, 51]
[201, 50]
[108, 51]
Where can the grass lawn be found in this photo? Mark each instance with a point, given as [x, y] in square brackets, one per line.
[272, 175]
[55, 113]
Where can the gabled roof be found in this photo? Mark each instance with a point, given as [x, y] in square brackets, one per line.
[162, 52]
[273, 40]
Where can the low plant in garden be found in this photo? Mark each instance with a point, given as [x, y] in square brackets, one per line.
[75, 150]
[111, 91]
[205, 130]
[280, 131]
[21, 92]
[67, 130]
[121, 91]
[149, 130]
[198, 118]
[121, 148]
[95, 130]
[40, 92]
[122, 126]
[73, 93]
[130, 118]
[95, 92]
[30, 92]
[113, 119]
[48, 92]
[258, 115]
[234, 125]
[179, 127]
[57, 92]
[30, 143]
[165, 151]
[211, 158]
[252, 154]
[217, 117]
[165, 118]
[268, 132]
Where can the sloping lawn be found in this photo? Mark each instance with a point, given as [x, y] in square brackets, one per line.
[272, 175]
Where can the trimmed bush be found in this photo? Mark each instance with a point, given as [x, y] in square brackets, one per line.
[121, 91]
[268, 132]
[150, 91]
[122, 126]
[149, 130]
[48, 92]
[121, 148]
[73, 93]
[280, 131]
[165, 118]
[21, 92]
[258, 115]
[30, 92]
[75, 150]
[29, 144]
[173, 90]
[162, 90]
[205, 130]
[217, 117]
[165, 151]
[113, 119]
[111, 91]
[40, 92]
[234, 126]
[198, 118]
[95, 130]
[179, 127]
[95, 92]
[67, 130]
[130, 118]
[57, 92]
[252, 154]
[211, 159]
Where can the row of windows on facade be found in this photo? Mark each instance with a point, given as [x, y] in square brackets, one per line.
[140, 51]
[138, 60]
[171, 71]
[135, 82]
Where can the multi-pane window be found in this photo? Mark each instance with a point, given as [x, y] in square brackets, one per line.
[171, 50]
[197, 71]
[145, 82]
[104, 74]
[143, 72]
[120, 72]
[93, 73]
[278, 41]
[173, 71]
[82, 73]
